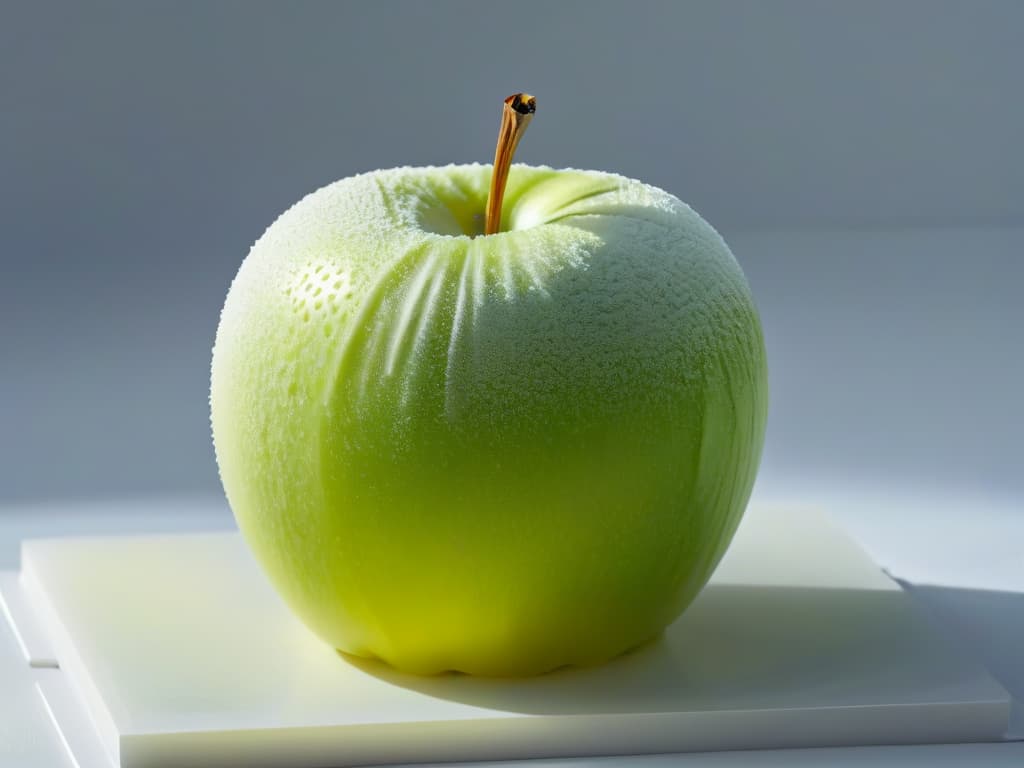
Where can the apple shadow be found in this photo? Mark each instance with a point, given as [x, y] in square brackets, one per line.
[987, 625]
[741, 647]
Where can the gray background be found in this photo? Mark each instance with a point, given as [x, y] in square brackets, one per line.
[863, 159]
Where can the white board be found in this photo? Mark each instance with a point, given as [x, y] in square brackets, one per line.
[182, 655]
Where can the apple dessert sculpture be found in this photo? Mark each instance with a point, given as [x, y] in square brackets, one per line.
[494, 421]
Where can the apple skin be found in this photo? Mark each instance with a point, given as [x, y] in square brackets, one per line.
[499, 454]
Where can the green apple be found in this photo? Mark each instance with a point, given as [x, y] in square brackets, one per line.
[498, 454]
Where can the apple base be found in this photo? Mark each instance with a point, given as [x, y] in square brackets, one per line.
[174, 650]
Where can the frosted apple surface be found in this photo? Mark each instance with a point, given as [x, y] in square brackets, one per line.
[494, 454]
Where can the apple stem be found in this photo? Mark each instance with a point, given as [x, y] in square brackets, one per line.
[516, 114]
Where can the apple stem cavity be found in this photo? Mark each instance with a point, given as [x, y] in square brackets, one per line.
[516, 113]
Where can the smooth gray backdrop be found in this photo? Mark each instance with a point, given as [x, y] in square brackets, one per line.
[864, 159]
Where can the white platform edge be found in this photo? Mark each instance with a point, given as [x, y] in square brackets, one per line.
[72, 726]
[75, 680]
[71, 722]
[25, 624]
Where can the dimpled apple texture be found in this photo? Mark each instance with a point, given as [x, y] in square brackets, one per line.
[494, 454]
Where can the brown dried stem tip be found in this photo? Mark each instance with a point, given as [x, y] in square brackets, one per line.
[515, 116]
